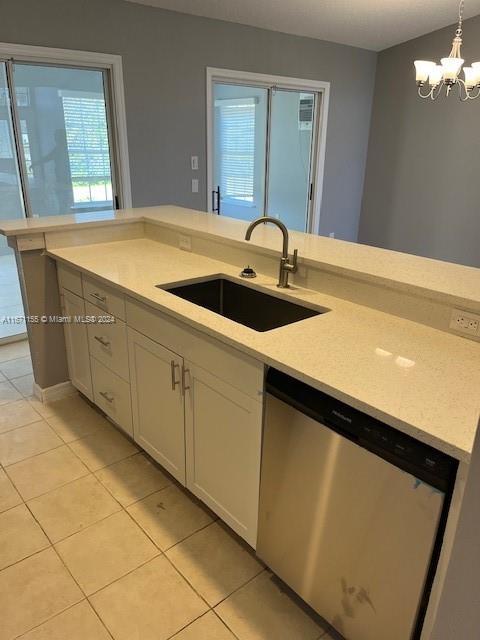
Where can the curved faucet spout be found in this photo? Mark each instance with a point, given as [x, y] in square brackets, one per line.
[286, 266]
[274, 221]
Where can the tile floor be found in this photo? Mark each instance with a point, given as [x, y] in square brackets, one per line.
[97, 542]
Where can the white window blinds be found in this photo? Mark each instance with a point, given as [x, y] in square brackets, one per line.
[237, 148]
[87, 137]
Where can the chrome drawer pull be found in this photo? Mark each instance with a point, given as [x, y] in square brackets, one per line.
[98, 297]
[185, 387]
[102, 341]
[174, 366]
[108, 396]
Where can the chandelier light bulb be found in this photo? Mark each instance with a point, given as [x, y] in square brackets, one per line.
[451, 68]
[423, 69]
[476, 68]
[470, 77]
[436, 75]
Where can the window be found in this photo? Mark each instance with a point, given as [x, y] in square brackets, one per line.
[88, 147]
[237, 148]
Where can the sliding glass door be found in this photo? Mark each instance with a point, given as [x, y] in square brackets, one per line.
[56, 155]
[11, 206]
[290, 157]
[262, 152]
[240, 133]
[65, 146]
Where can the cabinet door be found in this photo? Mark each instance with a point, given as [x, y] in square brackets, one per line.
[157, 402]
[76, 342]
[223, 435]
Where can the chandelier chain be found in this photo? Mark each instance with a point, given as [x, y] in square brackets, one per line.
[461, 8]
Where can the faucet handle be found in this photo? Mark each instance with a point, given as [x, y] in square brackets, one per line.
[294, 260]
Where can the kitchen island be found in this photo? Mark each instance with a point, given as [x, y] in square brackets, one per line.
[384, 345]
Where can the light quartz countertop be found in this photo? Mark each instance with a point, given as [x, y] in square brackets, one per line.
[420, 380]
[451, 283]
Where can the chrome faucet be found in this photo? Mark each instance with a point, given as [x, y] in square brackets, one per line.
[286, 266]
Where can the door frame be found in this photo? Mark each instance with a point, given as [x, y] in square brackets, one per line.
[319, 135]
[101, 61]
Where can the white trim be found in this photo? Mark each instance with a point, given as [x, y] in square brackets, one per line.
[284, 82]
[113, 63]
[55, 392]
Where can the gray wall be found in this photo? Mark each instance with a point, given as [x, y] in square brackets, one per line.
[165, 55]
[422, 185]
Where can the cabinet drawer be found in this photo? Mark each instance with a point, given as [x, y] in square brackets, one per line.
[104, 297]
[107, 342]
[69, 279]
[112, 394]
[236, 368]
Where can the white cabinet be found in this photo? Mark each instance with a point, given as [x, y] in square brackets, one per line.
[76, 341]
[223, 438]
[107, 341]
[193, 403]
[157, 402]
[112, 394]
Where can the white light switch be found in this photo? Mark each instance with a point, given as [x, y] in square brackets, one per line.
[194, 185]
[194, 161]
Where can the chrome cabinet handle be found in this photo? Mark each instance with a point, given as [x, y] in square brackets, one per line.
[185, 387]
[98, 297]
[102, 341]
[174, 366]
[108, 396]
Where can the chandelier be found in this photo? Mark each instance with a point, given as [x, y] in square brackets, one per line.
[446, 75]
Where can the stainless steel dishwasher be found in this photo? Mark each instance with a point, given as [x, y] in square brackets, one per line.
[352, 512]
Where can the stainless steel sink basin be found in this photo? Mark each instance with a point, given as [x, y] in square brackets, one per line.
[250, 307]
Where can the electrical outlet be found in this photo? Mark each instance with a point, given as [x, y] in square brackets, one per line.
[465, 322]
[331, 234]
[194, 185]
[185, 242]
[194, 163]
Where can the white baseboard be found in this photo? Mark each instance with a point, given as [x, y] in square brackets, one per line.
[55, 392]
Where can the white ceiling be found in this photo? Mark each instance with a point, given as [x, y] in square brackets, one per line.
[371, 24]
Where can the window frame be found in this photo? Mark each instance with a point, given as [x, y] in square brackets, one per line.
[116, 110]
[231, 76]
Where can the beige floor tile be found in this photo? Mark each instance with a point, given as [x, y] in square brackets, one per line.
[169, 516]
[24, 384]
[9, 496]
[208, 627]
[104, 448]
[151, 603]
[20, 536]
[21, 586]
[214, 562]
[17, 414]
[45, 409]
[106, 551]
[16, 368]
[132, 479]
[73, 507]
[27, 441]
[81, 421]
[261, 611]
[14, 350]
[46, 471]
[8, 393]
[80, 622]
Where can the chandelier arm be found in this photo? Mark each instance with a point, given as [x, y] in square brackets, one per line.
[422, 95]
[471, 96]
[436, 91]
[463, 94]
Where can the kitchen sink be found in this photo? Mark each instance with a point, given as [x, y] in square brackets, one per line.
[243, 304]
